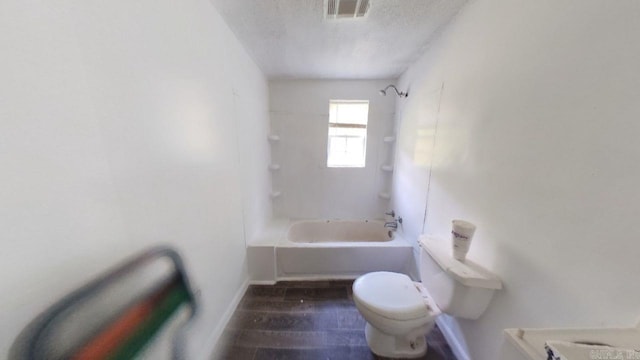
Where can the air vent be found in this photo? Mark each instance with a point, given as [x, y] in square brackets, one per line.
[346, 9]
[363, 8]
[332, 6]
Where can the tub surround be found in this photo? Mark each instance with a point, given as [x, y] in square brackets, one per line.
[299, 113]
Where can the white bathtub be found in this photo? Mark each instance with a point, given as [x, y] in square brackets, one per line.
[340, 249]
[338, 231]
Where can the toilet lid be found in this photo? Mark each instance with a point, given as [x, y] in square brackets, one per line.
[390, 295]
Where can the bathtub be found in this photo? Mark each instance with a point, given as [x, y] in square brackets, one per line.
[340, 249]
[338, 231]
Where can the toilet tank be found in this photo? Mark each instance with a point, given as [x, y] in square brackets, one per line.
[460, 289]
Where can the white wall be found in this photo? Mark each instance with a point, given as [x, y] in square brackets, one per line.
[117, 132]
[300, 115]
[537, 143]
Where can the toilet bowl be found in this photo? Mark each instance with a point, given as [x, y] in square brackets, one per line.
[398, 316]
[400, 312]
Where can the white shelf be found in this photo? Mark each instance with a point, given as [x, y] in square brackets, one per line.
[387, 168]
[384, 195]
[275, 194]
[273, 138]
[274, 167]
[389, 139]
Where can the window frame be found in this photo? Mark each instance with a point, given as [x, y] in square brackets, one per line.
[345, 125]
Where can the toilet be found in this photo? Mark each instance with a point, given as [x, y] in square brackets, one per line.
[400, 312]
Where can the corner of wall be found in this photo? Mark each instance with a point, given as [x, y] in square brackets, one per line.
[458, 348]
[213, 343]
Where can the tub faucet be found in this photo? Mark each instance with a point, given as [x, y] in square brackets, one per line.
[393, 225]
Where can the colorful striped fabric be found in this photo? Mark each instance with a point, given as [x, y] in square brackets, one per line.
[117, 315]
[128, 334]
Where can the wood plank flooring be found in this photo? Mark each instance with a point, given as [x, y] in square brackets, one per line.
[304, 320]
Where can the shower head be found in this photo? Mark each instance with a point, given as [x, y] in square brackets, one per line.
[383, 92]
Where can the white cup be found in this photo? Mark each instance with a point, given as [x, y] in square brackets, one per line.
[461, 234]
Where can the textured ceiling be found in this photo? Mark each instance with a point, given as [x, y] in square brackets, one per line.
[292, 39]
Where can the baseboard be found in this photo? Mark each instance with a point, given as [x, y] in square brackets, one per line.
[316, 277]
[458, 350]
[262, 282]
[212, 343]
[303, 278]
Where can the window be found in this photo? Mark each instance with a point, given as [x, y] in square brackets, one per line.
[347, 144]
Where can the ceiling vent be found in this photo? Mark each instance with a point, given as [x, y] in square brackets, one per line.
[346, 9]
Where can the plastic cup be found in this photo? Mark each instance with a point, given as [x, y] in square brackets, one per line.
[461, 234]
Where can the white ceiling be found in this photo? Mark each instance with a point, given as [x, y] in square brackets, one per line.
[292, 39]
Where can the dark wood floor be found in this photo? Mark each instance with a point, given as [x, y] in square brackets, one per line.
[304, 320]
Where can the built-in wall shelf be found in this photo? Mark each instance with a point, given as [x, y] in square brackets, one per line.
[389, 139]
[384, 195]
[273, 138]
[387, 168]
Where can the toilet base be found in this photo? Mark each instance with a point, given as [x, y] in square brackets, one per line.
[408, 346]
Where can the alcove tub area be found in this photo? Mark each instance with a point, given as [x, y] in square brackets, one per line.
[296, 249]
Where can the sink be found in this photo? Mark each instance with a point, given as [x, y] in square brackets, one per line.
[576, 344]
[577, 350]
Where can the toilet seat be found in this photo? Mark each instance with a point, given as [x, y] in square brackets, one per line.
[393, 296]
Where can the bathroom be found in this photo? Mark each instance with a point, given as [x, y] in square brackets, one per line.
[129, 124]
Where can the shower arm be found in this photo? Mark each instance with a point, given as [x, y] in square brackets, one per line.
[399, 93]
